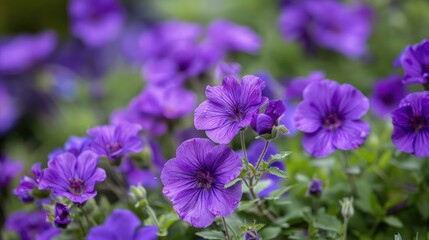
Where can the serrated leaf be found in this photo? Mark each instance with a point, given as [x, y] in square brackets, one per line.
[277, 172]
[234, 181]
[213, 234]
[393, 221]
[279, 156]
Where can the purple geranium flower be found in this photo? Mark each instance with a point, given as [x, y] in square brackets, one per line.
[233, 37]
[296, 86]
[330, 116]
[387, 94]
[73, 177]
[263, 123]
[75, 145]
[315, 187]
[31, 225]
[155, 107]
[27, 184]
[194, 181]
[96, 22]
[114, 141]
[9, 169]
[273, 89]
[344, 30]
[415, 61]
[253, 153]
[122, 224]
[22, 52]
[411, 124]
[229, 107]
[62, 215]
[8, 111]
[224, 69]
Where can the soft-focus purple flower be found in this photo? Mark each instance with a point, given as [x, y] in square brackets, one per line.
[253, 153]
[233, 37]
[62, 215]
[73, 177]
[345, 30]
[273, 89]
[18, 54]
[155, 107]
[9, 169]
[229, 107]
[415, 61]
[296, 86]
[114, 141]
[194, 181]
[75, 145]
[315, 187]
[31, 225]
[96, 22]
[287, 119]
[411, 124]
[122, 224]
[330, 116]
[27, 184]
[387, 94]
[263, 123]
[224, 69]
[8, 111]
[251, 235]
[148, 176]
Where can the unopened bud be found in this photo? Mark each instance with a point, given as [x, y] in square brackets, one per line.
[347, 209]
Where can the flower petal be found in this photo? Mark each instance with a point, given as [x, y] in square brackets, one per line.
[191, 206]
[319, 143]
[351, 134]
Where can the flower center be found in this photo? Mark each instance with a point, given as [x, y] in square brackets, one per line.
[204, 179]
[416, 122]
[113, 147]
[332, 121]
[76, 186]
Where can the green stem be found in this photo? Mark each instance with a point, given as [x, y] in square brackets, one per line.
[226, 228]
[262, 155]
[90, 223]
[346, 221]
[152, 214]
[81, 227]
[350, 177]
[243, 148]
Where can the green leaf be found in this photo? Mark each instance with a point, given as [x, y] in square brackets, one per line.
[279, 156]
[328, 222]
[211, 234]
[423, 205]
[276, 171]
[278, 193]
[270, 233]
[234, 181]
[393, 221]
[245, 205]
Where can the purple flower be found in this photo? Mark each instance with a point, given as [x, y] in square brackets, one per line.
[253, 153]
[147, 177]
[18, 54]
[194, 181]
[233, 37]
[387, 94]
[122, 224]
[224, 69]
[415, 61]
[330, 116]
[251, 235]
[73, 177]
[273, 89]
[96, 22]
[9, 169]
[411, 124]
[296, 87]
[344, 30]
[155, 107]
[75, 145]
[8, 110]
[27, 184]
[315, 187]
[263, 123]
[62, 215]
[114, 141]
[229, 107]
[31, 225]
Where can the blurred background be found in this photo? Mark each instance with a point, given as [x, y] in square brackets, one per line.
[59, 77]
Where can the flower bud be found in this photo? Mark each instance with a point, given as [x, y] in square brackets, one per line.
[347, 209]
